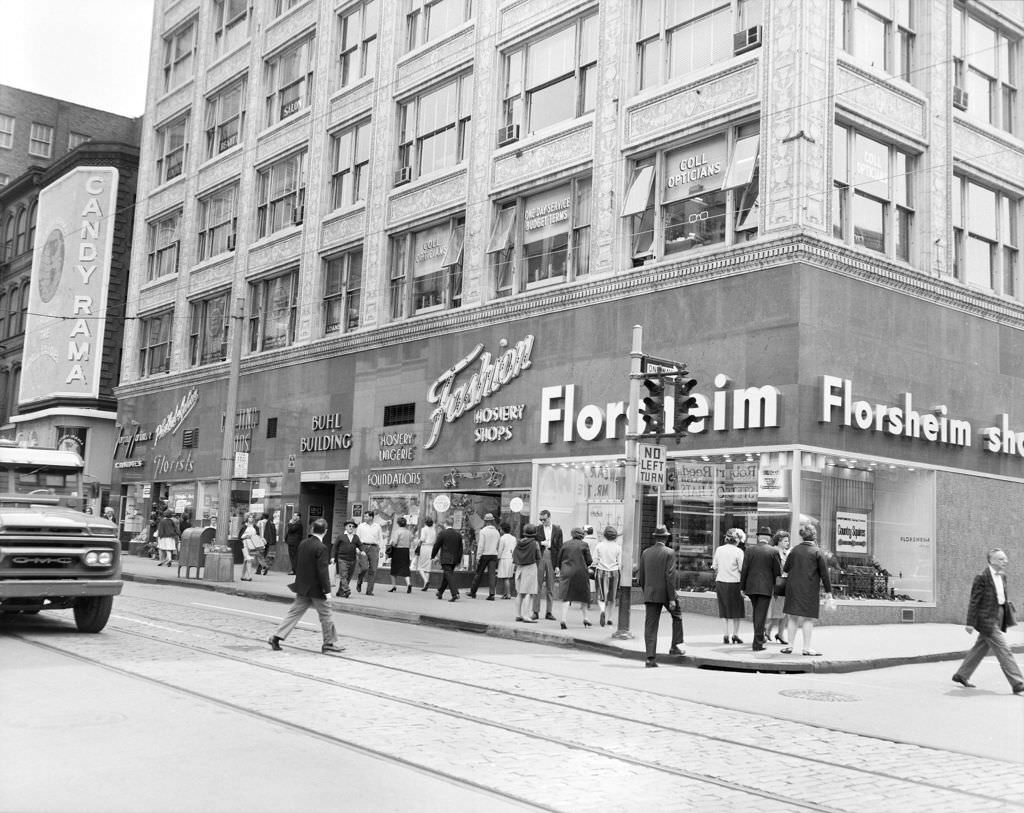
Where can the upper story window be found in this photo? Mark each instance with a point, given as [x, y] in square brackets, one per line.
[225, 118]
[217, 222]
[986, 70]
[985, 236]
[6, 131]
[164, 240]
[171, 140]
[427, 20]
[76, 140]
[541, 239]
[873, 202]
[281, 194]
[179, 50]
[40, 140]
[155, 343]
[350, 158]
[13, 323]
[209, 321]
[289, 80]
[357, 41]
[273, 307]
[230, 25]
[21, 232]
[426, 269]
[342, 285]
[281, 6]
[9, 237]
[552, 79]
[434, 129]
[4, 179]
[877, 32]
[23, 308]
[675, 37]
[33, 207]
[701, 194]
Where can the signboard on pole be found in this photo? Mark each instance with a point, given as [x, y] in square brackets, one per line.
[651, 465]
[241, 464]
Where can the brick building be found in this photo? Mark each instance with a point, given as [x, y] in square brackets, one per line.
[443, 219]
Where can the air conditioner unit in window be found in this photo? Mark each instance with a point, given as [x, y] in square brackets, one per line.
[959, 98]
[508, 134]
[297, 214]
[403, 176]
[231, 242]
[746, 40]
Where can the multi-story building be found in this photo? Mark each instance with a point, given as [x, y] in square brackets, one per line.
[437, 222]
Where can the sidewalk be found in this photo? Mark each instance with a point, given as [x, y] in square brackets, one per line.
[845, 648]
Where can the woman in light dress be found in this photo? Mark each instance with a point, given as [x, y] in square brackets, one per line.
[248, 539]
[424, 546]
[776, 618]
[727, 563]
[506, 567]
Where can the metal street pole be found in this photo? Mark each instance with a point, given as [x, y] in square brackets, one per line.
[220, 561]
[630, 512]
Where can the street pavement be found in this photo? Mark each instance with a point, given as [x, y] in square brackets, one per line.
[844, 648]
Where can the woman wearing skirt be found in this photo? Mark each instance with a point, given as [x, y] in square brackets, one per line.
[506, 567]
[401, 544]
[525, 558]
[424, 548]
[727, 564]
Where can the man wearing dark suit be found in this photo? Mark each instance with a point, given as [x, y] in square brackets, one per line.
[657, 578]
[344, 554]
[448, 550]
[312, 586]
[550, 539]
[761, 567]
[990, 613]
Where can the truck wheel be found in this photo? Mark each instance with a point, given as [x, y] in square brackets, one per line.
[92, 612]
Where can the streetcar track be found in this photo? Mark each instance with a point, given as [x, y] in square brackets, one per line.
[185, 626]
[761, 747]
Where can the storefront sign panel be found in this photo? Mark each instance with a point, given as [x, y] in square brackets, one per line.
[851, 532]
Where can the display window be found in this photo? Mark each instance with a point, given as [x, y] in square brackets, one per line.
[579, 493]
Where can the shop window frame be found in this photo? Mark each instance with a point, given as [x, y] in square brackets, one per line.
[201, 349]
[998, 67]
[418, 129]
[285, 99]
[170, 153]
[1002, 242]
[358, 31]
[164, 245]
[410, 295]
[341, 291]
[156, 335]
[217, 236]
[895, 19]
[424, 22]
[259, 311]
[290, 201]
[230, 25]
[350, 164]
[179, 53]
[219, 118]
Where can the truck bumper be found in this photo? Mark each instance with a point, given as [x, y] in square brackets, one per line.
[59, 587]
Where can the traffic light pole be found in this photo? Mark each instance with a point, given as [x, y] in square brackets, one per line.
[630, 512]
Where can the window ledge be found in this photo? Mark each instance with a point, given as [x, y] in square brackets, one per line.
[163, 187]
[166, 95]
[350, 88]
[342, 212]
[209, 262]
[277, 126]
[221, 156]
[439, 42]
[284, 15]
[159, 282]
[278, 236]
[223, 57]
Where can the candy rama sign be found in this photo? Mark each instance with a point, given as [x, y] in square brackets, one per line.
[68, 293]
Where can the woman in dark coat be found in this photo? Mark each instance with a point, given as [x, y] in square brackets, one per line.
[292, 537]
[573, 579]
[806, 572]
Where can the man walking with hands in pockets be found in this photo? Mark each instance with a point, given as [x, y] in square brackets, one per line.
[657, 578]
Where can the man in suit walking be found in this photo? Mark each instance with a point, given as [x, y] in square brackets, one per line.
[657, 578]
[550, 538]
[761, 567]
[990, 613]
[370, 535]
[448, 550]
[312, 586]
[344, 554]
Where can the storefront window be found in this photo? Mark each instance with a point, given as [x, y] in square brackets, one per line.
[426, 269]
[582, 493]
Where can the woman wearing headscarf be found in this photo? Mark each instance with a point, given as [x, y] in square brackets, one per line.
[524, 558]
[728, 565]
[572, 562]
[776, 617]
[401, 542]
[807, 572]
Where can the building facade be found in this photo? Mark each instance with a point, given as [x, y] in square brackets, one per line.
[436, 224]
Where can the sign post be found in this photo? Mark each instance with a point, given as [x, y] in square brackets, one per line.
[630, 514]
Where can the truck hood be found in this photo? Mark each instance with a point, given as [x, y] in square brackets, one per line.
[53, 519]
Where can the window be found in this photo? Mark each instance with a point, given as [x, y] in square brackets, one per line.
[164, 237]
[434, 128]
[3, 314]
[76, 140]
[273, 305]
[209, 320]
[23, 309]
[12, 312]
[426, 269]
[171, 141]
[542, 239]
[689, 197]
[230, 25]
[877, 32]
[281, 194]
[40, 140]
[357, 42]
[350, 156]
[271, 428]
[873, 195]
[675, 38]
[985, 236]
[427, 20]
[217, 222]
[21, 231]
[32, 224]
[281, 6]
[155, 343]
[552, 79]
[9, 237]
[4, 179]
[225, 118]
[399, 414]
[179, 48]
[986, 69]
[343, 279]
[289, 81]
[6, 131]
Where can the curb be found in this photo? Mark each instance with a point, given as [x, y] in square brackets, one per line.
[568, 642]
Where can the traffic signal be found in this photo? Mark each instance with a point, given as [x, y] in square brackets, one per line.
[684, 402]
[652, 407]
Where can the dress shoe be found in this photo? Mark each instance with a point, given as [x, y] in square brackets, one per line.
[275, 643]
[519, 618]
[725, 639]
[534, 617]
[650, 663]
[439, 597]
[408, 589]
[586, 623]
[757, 647]
[549, 617]
[490, 598]
[425, 588]
[332, 647]
[1018, 689]
[392, 590]
[454, 598]
[781, 640]
[967, 684]
[601, 619]
[563, 626]
[676, 651]
[737, 640]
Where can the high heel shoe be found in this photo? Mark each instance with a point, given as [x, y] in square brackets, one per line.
[392, 590]
[587, 623]
[563, 626]
[737, 640]
[408, 588]
[781, 640]
[725, 639]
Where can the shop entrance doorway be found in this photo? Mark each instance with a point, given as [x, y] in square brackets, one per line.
[328, 501]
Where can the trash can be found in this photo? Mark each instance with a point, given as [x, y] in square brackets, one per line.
[191, 552]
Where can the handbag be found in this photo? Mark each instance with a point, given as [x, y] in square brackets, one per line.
[780, 586]
[390, 549]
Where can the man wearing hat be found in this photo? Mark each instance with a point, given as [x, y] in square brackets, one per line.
[607, 564]
[657, 578]
[487, 539]
[761, 566]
